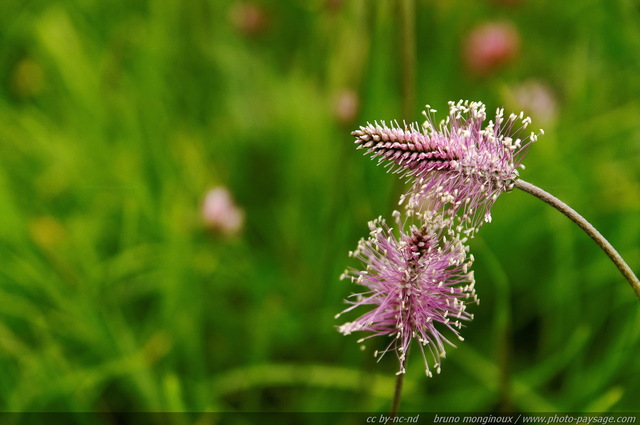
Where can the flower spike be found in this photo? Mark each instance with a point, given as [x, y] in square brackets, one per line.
[461, 165]
[417, 284]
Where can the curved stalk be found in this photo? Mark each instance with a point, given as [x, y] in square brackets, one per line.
[587, 227]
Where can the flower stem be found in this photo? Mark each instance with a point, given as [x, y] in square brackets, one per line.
[408, 40]
[406, 51]
[397, 394]
[587, 227]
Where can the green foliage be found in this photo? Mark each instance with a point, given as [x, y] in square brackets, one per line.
[117, 117]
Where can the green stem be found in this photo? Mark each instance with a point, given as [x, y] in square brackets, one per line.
[587, 227]
[397, 394]
[408, 49]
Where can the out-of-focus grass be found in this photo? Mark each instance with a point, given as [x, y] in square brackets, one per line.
[115, 118]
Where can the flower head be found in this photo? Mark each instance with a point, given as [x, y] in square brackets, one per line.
[220, 213]
[417, 284]
[345, 105]
[537, 98]
[249, 18]
[461, 165]
[490, 46]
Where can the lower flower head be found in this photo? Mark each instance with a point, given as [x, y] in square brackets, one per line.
[417, 284]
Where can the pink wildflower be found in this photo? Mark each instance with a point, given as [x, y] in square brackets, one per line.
[460, 165]
[417, 284]
[220, 213]
[490, 46]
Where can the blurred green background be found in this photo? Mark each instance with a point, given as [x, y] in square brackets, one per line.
[117, 117]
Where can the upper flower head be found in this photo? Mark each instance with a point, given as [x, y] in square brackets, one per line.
[462, 165]
[417, 282]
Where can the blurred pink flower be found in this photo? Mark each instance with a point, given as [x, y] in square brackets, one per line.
[220, 213]
[333, 5]
[346, 104]
[490, 46]
[248, 18]
[537, 99]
